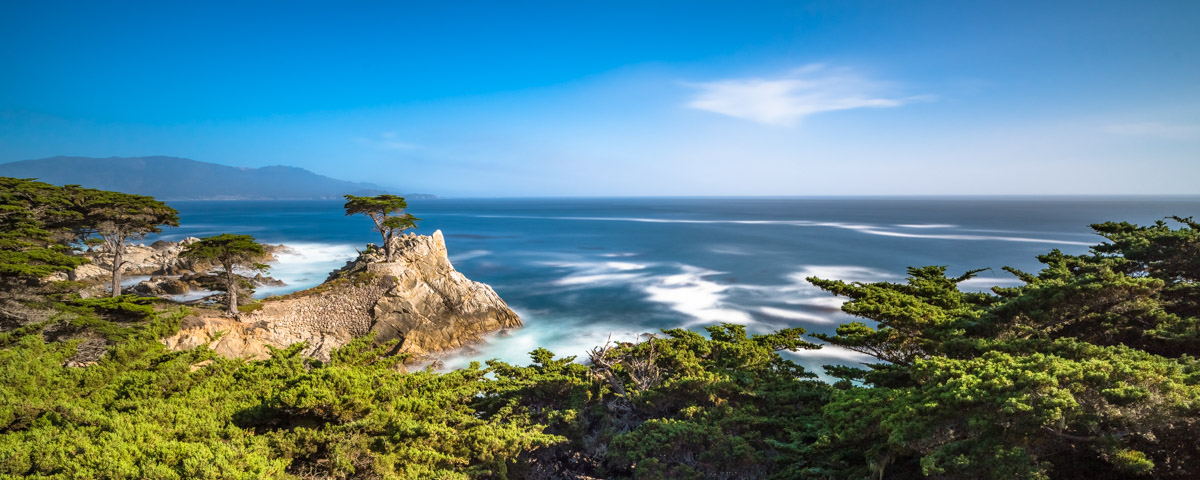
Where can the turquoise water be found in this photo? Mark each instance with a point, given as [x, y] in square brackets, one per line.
[580, 270]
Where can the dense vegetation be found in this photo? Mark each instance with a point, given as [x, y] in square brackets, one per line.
[42, 223]
[1088, 370]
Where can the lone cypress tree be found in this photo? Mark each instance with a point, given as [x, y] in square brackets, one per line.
[230, 251]
[387, 211]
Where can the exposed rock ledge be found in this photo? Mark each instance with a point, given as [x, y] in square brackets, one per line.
[160, 258]
[418, 299]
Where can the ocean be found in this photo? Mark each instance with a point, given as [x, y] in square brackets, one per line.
[582, 271]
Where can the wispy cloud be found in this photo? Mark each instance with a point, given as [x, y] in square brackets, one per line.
[1156, 130]
[387, 141]
[786, 99]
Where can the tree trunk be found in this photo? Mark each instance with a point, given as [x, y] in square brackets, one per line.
[383, 233]
[231, 289]
[387, 247]
[116, 272]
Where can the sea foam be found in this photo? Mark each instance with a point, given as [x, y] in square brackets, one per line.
[305, 265]
[868, 229]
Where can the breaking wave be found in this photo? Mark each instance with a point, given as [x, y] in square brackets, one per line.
[868, 229]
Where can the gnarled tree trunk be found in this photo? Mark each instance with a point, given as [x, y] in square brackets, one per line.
[231, 288]
[386, 235]
[116, 270]
[388, 247]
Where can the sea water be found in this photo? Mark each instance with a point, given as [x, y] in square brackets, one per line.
[582, 271]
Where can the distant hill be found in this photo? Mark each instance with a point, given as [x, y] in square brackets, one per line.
[172, 178]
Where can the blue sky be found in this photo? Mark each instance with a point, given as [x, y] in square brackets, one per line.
[638, 98]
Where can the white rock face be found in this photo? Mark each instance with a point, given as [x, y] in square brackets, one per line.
[161, 258]
[433, 307]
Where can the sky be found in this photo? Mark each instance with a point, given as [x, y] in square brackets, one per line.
[501, 99]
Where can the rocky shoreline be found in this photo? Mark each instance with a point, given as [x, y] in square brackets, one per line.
[418, 299]
[170, 275]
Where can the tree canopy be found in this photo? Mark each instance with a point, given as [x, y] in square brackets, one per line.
[387, 211]
[32, 237]
[117, 218]
[230, 251]
[1087, 371]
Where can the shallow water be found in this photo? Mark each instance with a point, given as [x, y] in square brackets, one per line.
[580, 270]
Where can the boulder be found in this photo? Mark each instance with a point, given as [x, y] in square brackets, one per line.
[175, 286]
[260, 280]
[91, 271]
[158, 286]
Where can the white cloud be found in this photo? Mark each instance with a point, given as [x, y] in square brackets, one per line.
[1156, 129]
[785, 100]
[387, 141]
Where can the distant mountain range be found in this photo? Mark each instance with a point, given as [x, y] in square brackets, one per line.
[172, 178]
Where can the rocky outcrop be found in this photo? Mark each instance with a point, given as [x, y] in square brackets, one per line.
[171, 286]
[158, 286]
[158, 258]
[237, 338]
[170, 275]
[432, 307]
[418, 299]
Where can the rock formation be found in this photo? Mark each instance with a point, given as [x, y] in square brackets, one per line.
[159, 286]
[417, 299]
[158, 258]
[171, 286]
[432, 307]
[170, 274]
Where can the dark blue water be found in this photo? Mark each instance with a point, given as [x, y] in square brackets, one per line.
[579, 270]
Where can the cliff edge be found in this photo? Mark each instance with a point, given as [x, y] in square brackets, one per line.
[418, 299]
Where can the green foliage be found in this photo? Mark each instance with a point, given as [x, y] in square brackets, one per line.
[230, 251]
[121, 214]
[405, 222]
[1091, 299]
[40, 224]
[683, 406]
[1006, 412]
[913, 319]
[116, 218]
[1087, 370]
[358, 414]
[32, 238]
[125, 305]
[144, 412]
[1160, 252]
[226, 248]
[387, 211]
